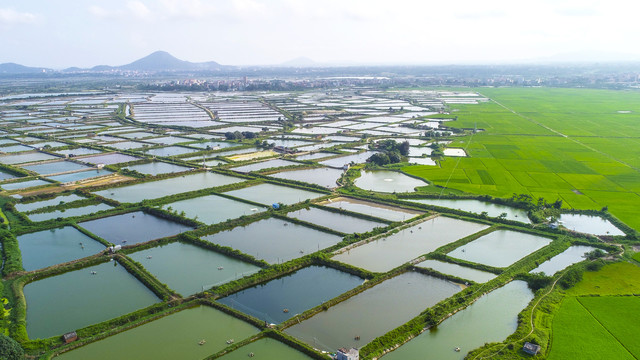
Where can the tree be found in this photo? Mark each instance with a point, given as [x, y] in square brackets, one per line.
[10, 349]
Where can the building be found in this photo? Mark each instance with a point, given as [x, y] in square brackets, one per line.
[531, 349]
[70, 337]
[344, 354]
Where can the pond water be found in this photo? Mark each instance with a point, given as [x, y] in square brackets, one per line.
[297, 292]
[477, 207]
[589, 224]
[574, 254]
[40, 204]
[213, 145]
[157, 167]
[274, 240]
[457, 270]
[213, 209]
[5, 176]
[14, 148]
[24, 158]
[50, 247]
[264, 165]
[500, 248]
[325, 177]
[66, 213]
[109, 159]
[372, 209]
[79, 175]
[55, 167]
[175, 336]
[391, 251]
[269, 194]
[188, 269]
[467, 329]
[169, 151]
[162, 188]
[133, 228]
[373, 312]
[314, 156]
[422, 161]
[339, 162]
[266, 349]
[454, 152]
[78, 151]
[387, 181]
[84, 298]
[24, 184]
[339, 222]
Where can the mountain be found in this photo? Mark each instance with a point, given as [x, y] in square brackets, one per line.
[13, 68]
[163, 61]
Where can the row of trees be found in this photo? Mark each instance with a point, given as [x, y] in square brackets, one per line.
[390, 152]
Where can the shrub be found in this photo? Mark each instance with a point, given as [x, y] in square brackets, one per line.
[572, 277]
[10, 349]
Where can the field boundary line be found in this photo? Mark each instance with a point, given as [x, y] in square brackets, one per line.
[604, 327]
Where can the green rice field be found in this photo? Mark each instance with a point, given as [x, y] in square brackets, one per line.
[567, 144]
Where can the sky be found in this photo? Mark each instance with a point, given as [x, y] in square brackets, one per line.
[64, 33]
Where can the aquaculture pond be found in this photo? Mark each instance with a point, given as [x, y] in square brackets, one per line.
[50, 247]
[24, 184]
[500, 248]
[86, 296]
[108, 159]
[388, 252]
[168, 151]
[55, 167]
[274, 240]
[269, 194]
[468, 329]
[478, 207]
[176, 336]
[5, 176]
[340, 162]
[387, 181]
[275, 163]
[266, 349]
[213, 209]
[133, 228]
[386, 212]
[77, 176]
[50, 202]
[287, 296]
[457, 270]
[589, 224]
[373, 312]
[574, 254]
[161, 188]
[78, 211]
[24, 158]
[157, 167]
[339, 222]
[189, 269]
[78, 151]
[325, 177]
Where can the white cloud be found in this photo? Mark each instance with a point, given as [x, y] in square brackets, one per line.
[138, 9]
[10, 16]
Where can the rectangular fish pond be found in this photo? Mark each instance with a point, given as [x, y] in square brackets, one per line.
[266, 349]
[50, 202]
[157, 167]
[79, 211]
[386, 212]
[477, 207]
[468, 329]
[373, 312]
[289, 295]
[325, 177]
[133, 228]
[271, 194]
[274, 240]
[55, 246]
[339, 222]
[574, 254]
[189, 269]
[213, 209]
[500, 248]
[161, 188]
[176, 336]
[388, 252]
[73, 300]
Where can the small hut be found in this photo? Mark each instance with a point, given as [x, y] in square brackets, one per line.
[70, 337]
[531, 349]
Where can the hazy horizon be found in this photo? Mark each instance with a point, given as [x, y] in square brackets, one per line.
[64, 34]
